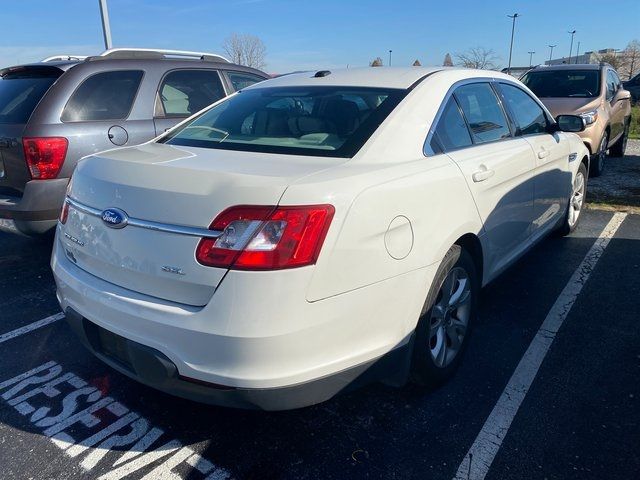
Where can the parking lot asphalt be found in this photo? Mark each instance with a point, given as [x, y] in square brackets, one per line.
[579, 419]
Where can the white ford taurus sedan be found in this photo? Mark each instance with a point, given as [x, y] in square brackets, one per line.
[313, 232]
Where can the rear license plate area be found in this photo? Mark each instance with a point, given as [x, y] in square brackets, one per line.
[109, 344]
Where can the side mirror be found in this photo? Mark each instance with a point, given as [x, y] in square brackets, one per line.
[570, 123]
[622, 94]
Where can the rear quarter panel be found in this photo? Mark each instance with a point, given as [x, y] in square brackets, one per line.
[432, 208]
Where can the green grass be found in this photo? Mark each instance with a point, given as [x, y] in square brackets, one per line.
[634, 131]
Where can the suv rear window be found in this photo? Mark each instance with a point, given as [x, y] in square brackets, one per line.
[103, 96]
[322, 121]
[563, 83]
[20, 92]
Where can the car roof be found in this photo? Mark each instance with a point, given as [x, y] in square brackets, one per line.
[377, 77]
[109, 63]
[382, 77]
[570, 66]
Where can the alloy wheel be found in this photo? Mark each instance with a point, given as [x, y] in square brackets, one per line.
[450, 317]
[602, 153]
[577, 199]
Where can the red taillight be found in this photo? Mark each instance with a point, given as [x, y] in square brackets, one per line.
[44, 156]
[64, 214]
[266, 238]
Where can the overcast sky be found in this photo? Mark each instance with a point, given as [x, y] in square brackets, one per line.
[301, 34]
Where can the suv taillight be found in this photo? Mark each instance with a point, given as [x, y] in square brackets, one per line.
[44, 156]
[266, 238]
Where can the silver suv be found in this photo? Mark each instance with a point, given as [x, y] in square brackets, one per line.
[57, 111]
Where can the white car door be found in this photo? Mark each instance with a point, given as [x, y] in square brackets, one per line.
[473, 130]
[552, 183]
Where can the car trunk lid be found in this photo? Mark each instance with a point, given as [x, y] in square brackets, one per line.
[170, 195]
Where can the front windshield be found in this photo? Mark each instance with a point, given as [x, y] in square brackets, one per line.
[564, 83]
[321, 121]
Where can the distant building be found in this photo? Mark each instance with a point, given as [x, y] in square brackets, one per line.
[586, 57]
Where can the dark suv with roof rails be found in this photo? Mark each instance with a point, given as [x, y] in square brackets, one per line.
[57, 111]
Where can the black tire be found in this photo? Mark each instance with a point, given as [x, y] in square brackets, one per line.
[597, 160]
[619, 148]
[567, 226]
[424, 370]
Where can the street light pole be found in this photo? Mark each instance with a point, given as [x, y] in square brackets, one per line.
[106, 28]
[390, 57]
[513, 28]
[551, 52]
[530, 59]
[572, 33]
[578, 52]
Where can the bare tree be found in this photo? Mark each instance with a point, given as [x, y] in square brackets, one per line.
[613, 59]
[417, 63]
[447, 61]
[377, 62]
[477, 57]
[632, 58]
[245, 49]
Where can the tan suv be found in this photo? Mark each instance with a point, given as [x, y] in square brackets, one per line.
[595, 93]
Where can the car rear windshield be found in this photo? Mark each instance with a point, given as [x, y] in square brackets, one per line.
[20, 92]
[564, 83]
[319, 121]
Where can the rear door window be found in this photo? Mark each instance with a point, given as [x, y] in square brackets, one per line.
[103, 96]
[451, 132]
[240, 80]
[185, 92]
[483, 113]
[20, 92]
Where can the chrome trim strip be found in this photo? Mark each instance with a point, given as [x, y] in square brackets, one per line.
[156, 226]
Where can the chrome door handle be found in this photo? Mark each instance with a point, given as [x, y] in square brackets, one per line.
[482, 175]
[543, 154]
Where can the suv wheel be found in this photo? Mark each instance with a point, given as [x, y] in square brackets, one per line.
[443, 329]
[597, 162]
[621, 145]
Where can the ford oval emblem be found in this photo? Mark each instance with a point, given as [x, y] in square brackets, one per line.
[115, 218]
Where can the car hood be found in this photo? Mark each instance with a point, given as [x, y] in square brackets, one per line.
[569, 106]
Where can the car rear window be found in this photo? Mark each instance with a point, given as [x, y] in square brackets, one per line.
[321, 121]
[563, 83]
[20, 92]
[103, 96]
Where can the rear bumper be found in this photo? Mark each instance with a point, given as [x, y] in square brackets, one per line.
[37, 210]
[258, 334]
[154, 369]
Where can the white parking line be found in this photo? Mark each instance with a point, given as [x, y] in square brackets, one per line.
[480, 456]
[32, 326]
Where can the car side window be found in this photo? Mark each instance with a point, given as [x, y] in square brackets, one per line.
[451, 132]
[611, 85]
[616, 80]
[185, 92]
[483, 113]
[103, 96]
[240, 80]
[528, 115]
